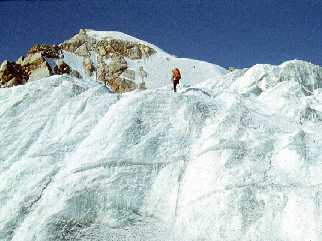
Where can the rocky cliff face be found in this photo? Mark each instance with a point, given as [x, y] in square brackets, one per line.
[110, 55]
[12, 74]
[82, 44]
[35, 65]
[46, 50]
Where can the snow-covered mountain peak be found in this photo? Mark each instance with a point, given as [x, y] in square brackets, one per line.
[100, 35]
[126, 63]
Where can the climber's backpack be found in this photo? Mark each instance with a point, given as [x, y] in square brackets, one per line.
[176, 74]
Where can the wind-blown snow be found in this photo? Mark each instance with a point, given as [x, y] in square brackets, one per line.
[234, 156]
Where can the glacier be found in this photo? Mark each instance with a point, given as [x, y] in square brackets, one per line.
[231, 156]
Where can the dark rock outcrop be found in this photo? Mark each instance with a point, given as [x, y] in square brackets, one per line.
[120, 85]
[117, 47]
[48, 51]
[81, 45]
[12, 74]
[110, 53]
[114, 72]
[117, 66]
[62, 68]
[116, 75]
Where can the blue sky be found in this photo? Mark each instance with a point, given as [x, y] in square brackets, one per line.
[228, 32]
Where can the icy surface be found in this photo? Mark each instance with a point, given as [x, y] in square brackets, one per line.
[234, 156]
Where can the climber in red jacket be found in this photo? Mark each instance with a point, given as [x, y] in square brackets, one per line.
[176, 76]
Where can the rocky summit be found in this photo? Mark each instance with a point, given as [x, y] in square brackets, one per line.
[104, 59]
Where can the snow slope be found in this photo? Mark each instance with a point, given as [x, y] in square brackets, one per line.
[158, 66]
[234, 156]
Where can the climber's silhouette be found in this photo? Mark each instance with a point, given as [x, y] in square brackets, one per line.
[176, 76]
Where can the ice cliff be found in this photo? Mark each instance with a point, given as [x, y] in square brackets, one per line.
[231, 156]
